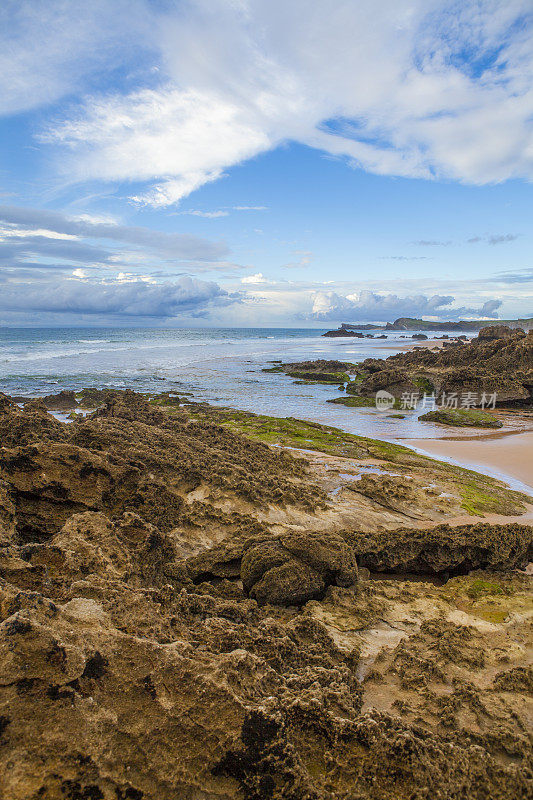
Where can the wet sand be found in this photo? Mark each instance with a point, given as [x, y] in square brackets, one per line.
[498, 456]
[416, 344]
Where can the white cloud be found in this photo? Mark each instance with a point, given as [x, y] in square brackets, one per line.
[419, 88]
[257, 278]
[158, 133]
[223, 212]
[208, 214]
[49, 48]
[368, 306]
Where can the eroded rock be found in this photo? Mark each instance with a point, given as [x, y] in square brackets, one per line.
[445, 549]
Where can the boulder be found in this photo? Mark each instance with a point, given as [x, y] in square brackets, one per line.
[297, 567]
[506, 385]
[291, 583]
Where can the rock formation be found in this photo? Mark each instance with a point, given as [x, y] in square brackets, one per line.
[159, 641]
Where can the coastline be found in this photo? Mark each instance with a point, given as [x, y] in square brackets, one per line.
[501, 456]
[164, 559]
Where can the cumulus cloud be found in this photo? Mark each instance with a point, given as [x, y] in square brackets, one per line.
[425, 88]
[114, 299]
[367, 306]
[257, 278]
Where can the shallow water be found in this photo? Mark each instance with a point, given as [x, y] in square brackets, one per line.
[222, 365]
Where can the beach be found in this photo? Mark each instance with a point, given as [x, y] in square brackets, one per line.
[227, 367]
[226, 556]
[175, 572]
[506, 456]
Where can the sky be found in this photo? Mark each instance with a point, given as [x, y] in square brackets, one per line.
[261, 163]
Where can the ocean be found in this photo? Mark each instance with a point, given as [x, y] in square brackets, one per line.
[219, 365]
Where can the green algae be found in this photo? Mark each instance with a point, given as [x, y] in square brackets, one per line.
[479, 494]
[462, 418]
[480, 588]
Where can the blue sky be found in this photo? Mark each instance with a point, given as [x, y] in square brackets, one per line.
[265, 163]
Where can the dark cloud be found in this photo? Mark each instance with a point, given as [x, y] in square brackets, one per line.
[165, 245]
[114, 298]
[368, 307]
[489, 308]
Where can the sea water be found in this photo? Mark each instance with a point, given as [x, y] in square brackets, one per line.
[220, 365]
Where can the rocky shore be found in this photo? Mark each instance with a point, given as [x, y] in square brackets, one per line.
[194, 606]
[494, 369]
[412, 323]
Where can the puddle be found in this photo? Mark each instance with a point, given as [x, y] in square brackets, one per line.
[349, 476]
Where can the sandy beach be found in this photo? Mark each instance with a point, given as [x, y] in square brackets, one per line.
[507, 455]
[414, 344]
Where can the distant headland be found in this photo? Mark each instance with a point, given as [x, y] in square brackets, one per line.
[413, 324]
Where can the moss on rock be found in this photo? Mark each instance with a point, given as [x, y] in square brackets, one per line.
[462, 418]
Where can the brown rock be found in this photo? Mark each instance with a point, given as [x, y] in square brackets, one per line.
[394, 381]
[445, 549]
[297, 567]
[291, 583]
[499, 332]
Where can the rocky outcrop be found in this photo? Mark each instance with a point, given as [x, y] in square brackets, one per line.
[394, 381]
[262, 667]
[63, 401]
[129, 456]
[334, 557]
[284, 570]
[22, 427]
[445, 549]
[462, 418]
[319, 371]
[343, 332]
[499, 332]
[499, 360]
[508, 387]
